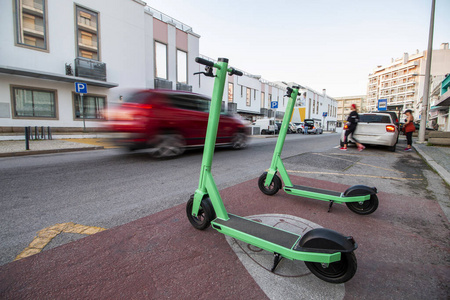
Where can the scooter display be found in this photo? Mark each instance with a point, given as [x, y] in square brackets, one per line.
[328, 254]
[360, 199]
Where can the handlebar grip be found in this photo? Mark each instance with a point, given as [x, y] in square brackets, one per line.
[204, 62]
[238, 73]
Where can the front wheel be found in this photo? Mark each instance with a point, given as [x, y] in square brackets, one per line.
[336, 272]
[169, 145]
[205, 215]
[274, 186]
[239, 141]
[365, 207]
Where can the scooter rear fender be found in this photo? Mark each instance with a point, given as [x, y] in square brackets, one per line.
[326, 241]
[360, 190]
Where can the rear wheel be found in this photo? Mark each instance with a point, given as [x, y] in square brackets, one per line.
[274, 186]
[169, 145]
[263, 131]
[365, 207]
[392, 148]
[239, 140]
[336, 272]
[205, 215]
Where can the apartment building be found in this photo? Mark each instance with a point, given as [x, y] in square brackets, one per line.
[344, 103]
[48, 45]
[402, 81]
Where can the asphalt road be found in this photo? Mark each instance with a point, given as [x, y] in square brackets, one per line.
[108, 188]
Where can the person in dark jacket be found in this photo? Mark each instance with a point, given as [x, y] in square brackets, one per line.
[352, 123]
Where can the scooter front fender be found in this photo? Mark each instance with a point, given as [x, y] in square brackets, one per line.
[326, 241]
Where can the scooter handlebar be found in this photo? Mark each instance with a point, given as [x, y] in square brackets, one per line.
[204, 62]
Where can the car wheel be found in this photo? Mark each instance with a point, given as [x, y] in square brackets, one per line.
[169, 145]
[239, 141]
[263, 131]
[392, 148]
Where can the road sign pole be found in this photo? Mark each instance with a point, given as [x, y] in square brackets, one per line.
[82, 113]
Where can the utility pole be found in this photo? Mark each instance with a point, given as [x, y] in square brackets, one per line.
[426, 89]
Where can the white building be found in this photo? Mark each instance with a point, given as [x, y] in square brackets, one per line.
[47, 45]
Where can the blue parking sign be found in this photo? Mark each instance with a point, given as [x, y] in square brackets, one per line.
[80, 88]
[274, 104]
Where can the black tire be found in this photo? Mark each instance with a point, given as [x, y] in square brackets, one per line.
[364, 208]
[205, 215]
[169, 145]
[392, 148]
[263, 131]
[299, 130]
[336, 272]
[273, 188]
[239, 141]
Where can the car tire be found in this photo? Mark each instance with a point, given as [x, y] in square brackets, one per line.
[392, 148]
[169, 145]
[239, 141]
[263, 131]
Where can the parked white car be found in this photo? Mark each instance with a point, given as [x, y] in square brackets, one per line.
[266, 125]
[374, 129]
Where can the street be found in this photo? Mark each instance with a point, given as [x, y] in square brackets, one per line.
[108, 188]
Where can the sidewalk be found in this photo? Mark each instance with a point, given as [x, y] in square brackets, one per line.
[437, 157]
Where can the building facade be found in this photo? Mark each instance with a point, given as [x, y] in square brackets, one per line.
[402, 81]
[48, 45]
[344, 103]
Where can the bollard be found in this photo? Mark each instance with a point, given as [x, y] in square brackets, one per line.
[49, 133]
[35, 132]
[27, 138]
[42, 133]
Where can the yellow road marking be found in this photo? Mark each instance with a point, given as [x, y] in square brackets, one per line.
[359, 163]
[45, 235]
[94, 142]
[355, 175]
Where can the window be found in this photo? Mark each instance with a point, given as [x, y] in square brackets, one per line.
[248, 98]
[94, 107]
[190, 103]
[160, 60]
[87, 34]
[254, 96]
[33, 103]
[181, 67]
[230, 92]
[270, 100]
[30, 18]
[262, 100]
[242, 91]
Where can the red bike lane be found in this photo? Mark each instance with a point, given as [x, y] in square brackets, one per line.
[403, 253]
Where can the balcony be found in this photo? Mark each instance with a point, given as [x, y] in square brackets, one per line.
[163, 84]
[89, 68]
[184, 87]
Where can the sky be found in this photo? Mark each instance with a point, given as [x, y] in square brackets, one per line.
[323, 44]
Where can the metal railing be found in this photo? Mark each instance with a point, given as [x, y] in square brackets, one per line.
[167, 19]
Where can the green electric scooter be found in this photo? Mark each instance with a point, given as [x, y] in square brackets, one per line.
[328, 254]
[360, 199]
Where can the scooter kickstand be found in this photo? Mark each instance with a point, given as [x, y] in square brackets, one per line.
[276, 260]
[331, 204]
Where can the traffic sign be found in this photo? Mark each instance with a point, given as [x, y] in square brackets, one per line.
[382, 104]
[324, 114]
[274, 104]
[80, 88]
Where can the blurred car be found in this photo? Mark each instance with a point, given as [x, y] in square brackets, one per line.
[312, 128]
[169, 121]
[374, 129]
[300, 127]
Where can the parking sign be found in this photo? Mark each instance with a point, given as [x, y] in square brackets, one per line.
[80, 88]
[274, 104]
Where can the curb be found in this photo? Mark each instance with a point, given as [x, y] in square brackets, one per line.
[434, 165]
[35, 152]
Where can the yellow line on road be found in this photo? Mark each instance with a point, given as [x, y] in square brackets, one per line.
[360, 163]
[47, 234]
[354, 175]
[94, 142]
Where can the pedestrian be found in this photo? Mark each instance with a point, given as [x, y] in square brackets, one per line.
[305, 126]
[352, 123]
[409, 128]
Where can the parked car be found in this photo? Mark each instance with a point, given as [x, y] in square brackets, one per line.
[393, 114]
[312, 128]
[291, 127]
[266, 125]
[300, 127]
[374, 129]
[169, 121]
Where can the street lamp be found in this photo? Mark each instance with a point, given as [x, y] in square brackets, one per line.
[426, 88]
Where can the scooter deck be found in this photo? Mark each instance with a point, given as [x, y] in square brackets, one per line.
[314, 190]
[258, 230]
